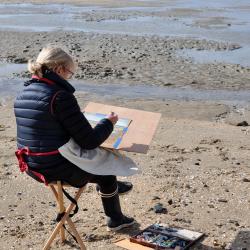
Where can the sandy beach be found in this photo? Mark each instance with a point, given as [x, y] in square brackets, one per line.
[198, 162]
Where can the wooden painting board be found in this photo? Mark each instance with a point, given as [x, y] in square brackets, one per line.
[141, 130]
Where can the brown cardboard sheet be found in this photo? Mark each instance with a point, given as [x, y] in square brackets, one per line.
[141, 130]
[125, 243]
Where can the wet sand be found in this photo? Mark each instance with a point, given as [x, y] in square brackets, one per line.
[198, 162]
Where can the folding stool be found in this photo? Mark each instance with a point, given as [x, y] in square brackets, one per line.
[57, 189]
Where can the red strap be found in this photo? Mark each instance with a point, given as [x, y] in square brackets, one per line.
[42, 79]
[24, 166]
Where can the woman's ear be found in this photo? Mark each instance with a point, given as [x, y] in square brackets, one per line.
[58, 70]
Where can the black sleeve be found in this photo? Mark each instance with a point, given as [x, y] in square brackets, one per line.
[67, 111]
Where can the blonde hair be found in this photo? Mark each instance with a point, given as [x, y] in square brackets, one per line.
[50, 58]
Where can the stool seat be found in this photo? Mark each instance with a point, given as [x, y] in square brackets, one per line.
[64, 184]
[56, 188]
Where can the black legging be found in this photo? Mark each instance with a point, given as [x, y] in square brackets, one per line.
[79, 178]
[107, 183]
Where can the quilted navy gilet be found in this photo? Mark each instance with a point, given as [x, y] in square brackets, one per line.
[37, 127]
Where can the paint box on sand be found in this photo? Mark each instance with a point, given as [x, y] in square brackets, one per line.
[161, 237]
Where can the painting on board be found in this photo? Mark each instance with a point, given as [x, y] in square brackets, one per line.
[120, 128]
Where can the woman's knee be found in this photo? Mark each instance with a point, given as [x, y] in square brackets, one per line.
[107, 183]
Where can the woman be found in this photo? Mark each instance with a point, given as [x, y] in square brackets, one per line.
[47, 116]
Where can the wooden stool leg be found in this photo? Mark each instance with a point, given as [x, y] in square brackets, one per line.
[61, 207]
[62, 221]
[59, 199]
[53, 235]
[76, 234]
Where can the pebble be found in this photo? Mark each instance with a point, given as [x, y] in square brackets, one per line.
[242, 124]
[20, 60]
[246, 179]
[222, 200]
[52, 204]
[2, 127]
[168, 84]
[182, 220]
[205, 185]
[219, 224]
[235, 222]
[194, 191]
[170, 201]
[90, 237]
[159, 209]
[216, 243]
[96, 237]
[156, 198]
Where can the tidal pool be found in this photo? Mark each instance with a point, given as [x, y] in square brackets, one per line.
[238, 56]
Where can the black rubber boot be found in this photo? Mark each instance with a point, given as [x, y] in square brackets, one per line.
[112, 209]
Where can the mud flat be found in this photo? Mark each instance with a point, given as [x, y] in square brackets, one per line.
[198, 163]
[131, 59]
[166, 44]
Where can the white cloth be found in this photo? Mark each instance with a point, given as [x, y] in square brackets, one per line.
[98, 161]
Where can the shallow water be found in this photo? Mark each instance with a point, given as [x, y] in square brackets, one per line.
[126, 91]
[200, 4]
[163, 93]
[221, 20]
[7, 69]
[50, 17]
[238, 56]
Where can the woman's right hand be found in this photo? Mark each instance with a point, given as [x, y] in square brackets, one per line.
[113, 117]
